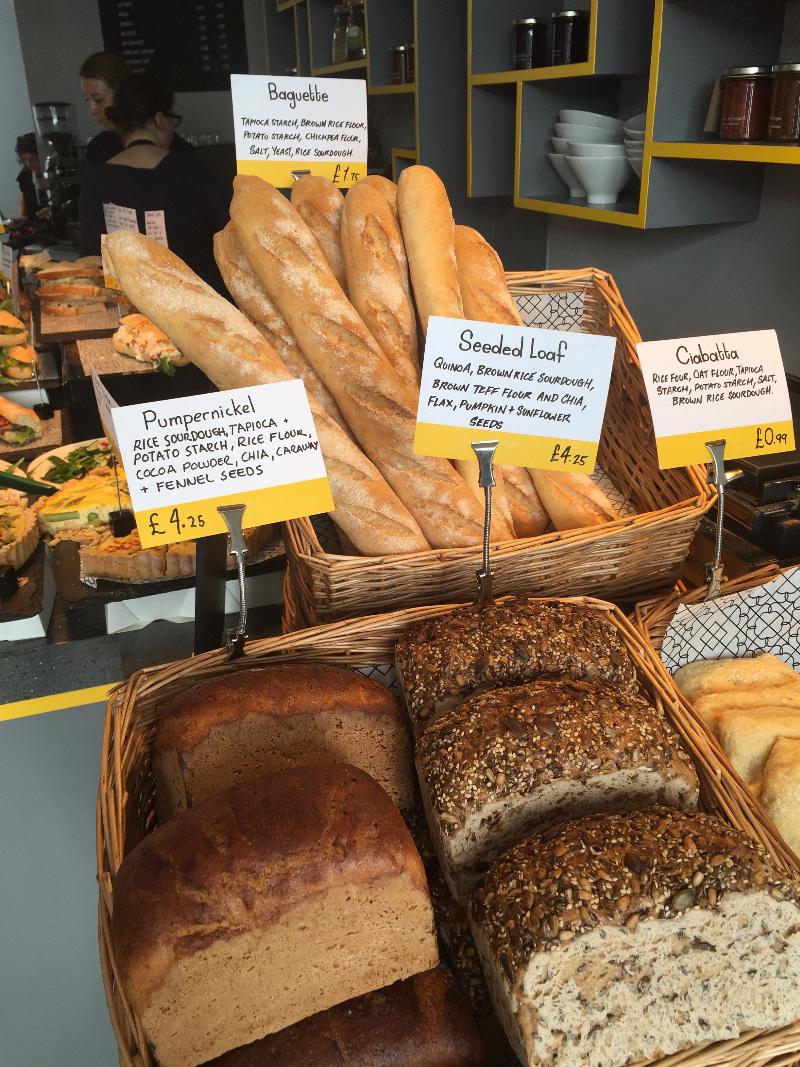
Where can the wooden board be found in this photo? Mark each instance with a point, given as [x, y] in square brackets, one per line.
[50, 328]
[52, 437]
[98, 354]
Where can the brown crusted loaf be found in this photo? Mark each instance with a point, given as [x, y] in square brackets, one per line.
[573, 500]
[229, 349]
[443, 660]
[303, 884]
[420, 1022]
[617, 939]
[379, 407]
[377, 278]
[506, 762]
[482, 280]
[228, 730]
[426, 219]
[384, 186]
[319, 203]
[251, 298]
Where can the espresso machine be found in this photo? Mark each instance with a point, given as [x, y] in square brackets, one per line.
[59, 165]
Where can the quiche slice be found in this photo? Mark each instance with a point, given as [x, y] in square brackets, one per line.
[19, 532]
[122, 559]
[82, 502]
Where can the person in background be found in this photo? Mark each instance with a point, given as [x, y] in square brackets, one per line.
[28, 155]
[147, 177]
[101, 74]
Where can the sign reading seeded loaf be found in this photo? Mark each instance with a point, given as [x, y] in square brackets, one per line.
[729, 387]
[255, 446]
[540, 393]
[285, 125]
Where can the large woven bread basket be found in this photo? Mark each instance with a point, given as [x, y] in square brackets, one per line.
[126, 806]
[623, 560]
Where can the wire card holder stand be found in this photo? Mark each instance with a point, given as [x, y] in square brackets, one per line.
[485, 451]
[720, 478]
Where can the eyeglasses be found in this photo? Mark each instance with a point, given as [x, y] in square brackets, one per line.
[178, 119]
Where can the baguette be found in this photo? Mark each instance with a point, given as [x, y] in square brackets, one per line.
[319, 204]
[251, 298]
[426, 220]
[384, 186]
[232, 352]
[379, 407]
[482, 280]
[502, 528]
[572, 500]
[528, 514]
[377, 278]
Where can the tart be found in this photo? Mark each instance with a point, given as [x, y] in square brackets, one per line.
[19, 532]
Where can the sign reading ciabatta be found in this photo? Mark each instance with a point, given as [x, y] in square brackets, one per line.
[286, 125]
[729, 387]
[255, 446]
[540, 393]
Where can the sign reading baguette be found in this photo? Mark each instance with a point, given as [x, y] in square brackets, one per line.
[540, 393]
[729, 387]
[255, 446]
[285, 125]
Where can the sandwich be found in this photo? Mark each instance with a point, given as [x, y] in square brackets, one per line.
[140, 339]
[12, 331]
[18, 425]
[17, 364]
[67, 286]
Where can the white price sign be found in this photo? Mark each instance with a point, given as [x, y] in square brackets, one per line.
[6, 261]
[729, 387]
[285, 125]
[105, 405]
[185, 458]
[540, 393]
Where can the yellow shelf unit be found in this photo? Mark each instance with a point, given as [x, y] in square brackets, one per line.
[402, 157]
[392, 90]
[339, 68]
[727, 151]
[286, 5]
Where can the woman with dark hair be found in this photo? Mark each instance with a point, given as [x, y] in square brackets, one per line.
[28, 155]
[168, 191]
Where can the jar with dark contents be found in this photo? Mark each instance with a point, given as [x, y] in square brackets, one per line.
[745, 103]
[784, 110]
[530, 43]
[399, 60]
[411, 70]
[356, 30]
[570, 37]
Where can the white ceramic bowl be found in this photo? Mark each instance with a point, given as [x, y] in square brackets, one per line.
[631, 142]
[578, 149]
[566, 174]
[633, 135]
[560, 144]
[636, 122]
[590, 118]
[586, 134]
[603, 178]
[636, 163]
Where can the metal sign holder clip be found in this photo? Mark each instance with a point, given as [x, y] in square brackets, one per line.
[719, 477]
[236, 636]
[298, 174]
[485, 451]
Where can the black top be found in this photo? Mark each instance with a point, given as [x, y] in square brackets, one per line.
[28, 190]
[195, 207]
[108, 143]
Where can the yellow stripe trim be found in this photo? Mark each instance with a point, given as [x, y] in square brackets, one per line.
[71, 698]
[344, 172]
[687, 449]
[516, 449]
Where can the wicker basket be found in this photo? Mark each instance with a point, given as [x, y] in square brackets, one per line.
[126, 807]
[623, 560]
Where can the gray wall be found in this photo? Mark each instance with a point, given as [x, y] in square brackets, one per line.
[15, 112]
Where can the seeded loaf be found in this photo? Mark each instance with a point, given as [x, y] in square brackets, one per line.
[267, 904]
[508, 761]
[443, 660]
[421, 1022]
[617, 939]
[228, 730]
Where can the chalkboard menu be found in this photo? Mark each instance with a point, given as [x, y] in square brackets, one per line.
[191, 45]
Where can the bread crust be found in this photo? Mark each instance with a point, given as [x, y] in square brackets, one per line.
[384, 186]
[482, 280]
[380, 409]
[573, 500]
[320, 204]
[230, 350]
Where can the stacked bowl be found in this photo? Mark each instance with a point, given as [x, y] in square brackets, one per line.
[590, 157]
[633, 132]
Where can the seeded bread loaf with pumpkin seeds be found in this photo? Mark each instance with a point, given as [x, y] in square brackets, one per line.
[616, 939]
[506, 762]
[471, 649]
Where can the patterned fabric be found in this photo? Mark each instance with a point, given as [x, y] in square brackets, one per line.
[384, 674]
[763, 619]
[552, 311]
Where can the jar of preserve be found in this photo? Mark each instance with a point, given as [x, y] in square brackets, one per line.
[530, 43]
[570, 37]
[784, 110]
[411, 70]
[339, 48]
[746, 93]
[399, 60]
[356, 31]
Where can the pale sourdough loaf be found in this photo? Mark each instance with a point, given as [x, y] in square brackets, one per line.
[506, 762]
[377, 278]
[747, 735]
[319, 204]
[781, 792]
[441, 661]
[385, 186]
[228, 730]
[618, 939]
[251, 298]
[420, 1022]
[713, 706]
[266, 904]
[706, 676]
[230, 350]
[426, 219]
[379, 407]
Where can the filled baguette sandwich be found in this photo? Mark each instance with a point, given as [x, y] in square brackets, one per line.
[17, 363]
[140, 339]
[72, 288]
[18, 425]
[12, 331]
